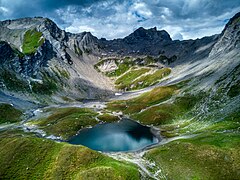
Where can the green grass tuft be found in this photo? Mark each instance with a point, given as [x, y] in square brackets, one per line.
[108, 117]
[32, 40]
[12, 82]
[9, 114]
[150, 79]
[28, 157]
[122, 68]
[208, 156]
[166, 112]
[66, 122]
[234, 90]
[125, 81]
[143, 101]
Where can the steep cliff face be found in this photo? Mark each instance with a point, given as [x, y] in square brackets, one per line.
[189, 90]
[46, 57]
[155, 43]
[48, 60]
[229, 39]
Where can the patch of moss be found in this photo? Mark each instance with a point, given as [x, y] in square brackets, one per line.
[48, 86]
[36, 158]
[63, 73]
[125, 81]
[108, 117]
[77, 50]
[166, 112]
[12, 82]
[9, 114]
[209, 156]
[133, 70]
[31, 41]
[150, 79]
[123, 65]
[143, 101]
[122, 68]
[66, 122]
[234, 90]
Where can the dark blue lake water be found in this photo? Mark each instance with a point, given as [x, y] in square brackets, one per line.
[125, 135]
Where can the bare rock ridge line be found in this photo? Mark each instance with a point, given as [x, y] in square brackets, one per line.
[38, 57]
[53, 84]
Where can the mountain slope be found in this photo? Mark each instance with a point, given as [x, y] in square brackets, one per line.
[43, 51]
[188, 90]
[197, 109]
[47, 58]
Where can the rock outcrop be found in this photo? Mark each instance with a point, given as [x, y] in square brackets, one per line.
[37, 51]
[65, 58]
[229, 39]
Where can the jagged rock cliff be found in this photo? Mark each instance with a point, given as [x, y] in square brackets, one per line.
[43, 59]
[229, 39]
[153, 42]
[38, 52]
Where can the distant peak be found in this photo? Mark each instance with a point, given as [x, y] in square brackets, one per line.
[26, 22]
[143, 29]
[26, 19]
[149, 34]
[235, 19]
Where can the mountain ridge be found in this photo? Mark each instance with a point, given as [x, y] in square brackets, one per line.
[77, 54]
[58, 83]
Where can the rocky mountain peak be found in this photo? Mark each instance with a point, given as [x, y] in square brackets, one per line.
[229, 39]
[149, 34]
[235, 20]
[23, 23]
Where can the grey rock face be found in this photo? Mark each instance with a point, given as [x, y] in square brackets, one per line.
[142, 41]
[152, 35]
[69, 58]
[62, 56]
[229, 38]
[153, 42]
[6, 52]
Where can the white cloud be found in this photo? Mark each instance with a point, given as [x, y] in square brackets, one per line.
[118, 18]
[80, 28]
[141, 9]
[4, 11]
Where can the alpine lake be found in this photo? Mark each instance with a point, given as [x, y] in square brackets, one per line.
[122, 136]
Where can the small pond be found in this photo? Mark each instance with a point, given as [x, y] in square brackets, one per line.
[125, 135]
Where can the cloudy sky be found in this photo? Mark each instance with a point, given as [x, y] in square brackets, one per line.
[183, 19]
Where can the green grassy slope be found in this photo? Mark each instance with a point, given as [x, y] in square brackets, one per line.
[208, 156]
[125, 81]
[9, 114]
[28, 157]
[66, 122]
[32, 40]
[135, 73]
[150, 79]
[214, 151]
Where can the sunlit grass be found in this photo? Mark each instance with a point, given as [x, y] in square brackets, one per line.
[32, 40]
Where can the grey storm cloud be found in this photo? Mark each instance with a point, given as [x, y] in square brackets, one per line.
[183, 19]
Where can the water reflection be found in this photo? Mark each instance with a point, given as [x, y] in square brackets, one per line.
[125, 135]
